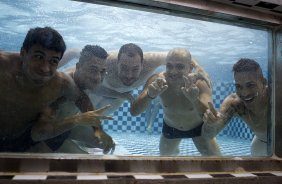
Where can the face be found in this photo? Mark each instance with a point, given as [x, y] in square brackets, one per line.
[129, 69]
[176, 69]
[91, 72]
[40, 64]
[249, 87]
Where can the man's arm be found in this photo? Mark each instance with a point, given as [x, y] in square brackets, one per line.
[51, 124]
[152, 60]
[153, 85]
[202, 74]
[215, 121]
[106, 92]
[68, 56]
[205, 96]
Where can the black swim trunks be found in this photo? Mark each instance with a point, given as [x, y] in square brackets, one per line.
[23, 142]
[18, 144]
[56, 142]
[173, 133]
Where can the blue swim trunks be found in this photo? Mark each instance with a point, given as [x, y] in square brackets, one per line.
[173, 133]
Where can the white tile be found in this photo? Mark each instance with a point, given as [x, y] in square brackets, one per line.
[29, 177]
[277, 173]
[244, 175]
[92, 177]
[148, 177]
[198, 176]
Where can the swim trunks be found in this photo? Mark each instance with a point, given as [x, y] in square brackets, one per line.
[56, 142]
[17, 144]
[173, 133]
[23, 142]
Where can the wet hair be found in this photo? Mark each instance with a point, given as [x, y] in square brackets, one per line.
[92, 50]
[247, 65]
[178, 54]
[47, 37]
[131, 50]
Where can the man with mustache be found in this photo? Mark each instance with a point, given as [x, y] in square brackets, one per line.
[184, 98]
[250, 102]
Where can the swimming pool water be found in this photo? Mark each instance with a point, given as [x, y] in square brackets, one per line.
[143, 144]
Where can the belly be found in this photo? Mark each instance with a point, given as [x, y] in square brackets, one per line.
[182, 121]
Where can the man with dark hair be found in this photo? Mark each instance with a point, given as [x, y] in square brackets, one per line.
[30, 85]
[184, 97]
[88, 74]
[250, 102]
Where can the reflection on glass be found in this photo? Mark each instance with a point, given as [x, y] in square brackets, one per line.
[216, 47]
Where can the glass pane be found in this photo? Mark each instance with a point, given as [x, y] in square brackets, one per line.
[216, 47]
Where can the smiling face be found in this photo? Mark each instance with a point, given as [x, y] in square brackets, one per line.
[178, 65]
[129, 68]
[250, 87]
[91, 72]
[40, 64]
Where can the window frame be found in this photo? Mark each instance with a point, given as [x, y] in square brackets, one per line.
[211, 11]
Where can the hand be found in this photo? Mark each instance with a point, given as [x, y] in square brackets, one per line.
[211, 116]
[92, 117]
[129, 97]
[105, 141]
[157, 87]
[190, 90]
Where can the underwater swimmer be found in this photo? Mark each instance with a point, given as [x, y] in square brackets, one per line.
[30, 83]
[88, 74]
[250, 102]
[184, 99]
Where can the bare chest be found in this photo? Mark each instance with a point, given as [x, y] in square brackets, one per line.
[20, 105]
[257, 122]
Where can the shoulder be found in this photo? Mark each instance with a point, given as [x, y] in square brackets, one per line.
[65, 78]
[70, 71]
[10, 61]
[67, 85]
[112, 62]
[9, 57]
[63, 81]
[112, 58]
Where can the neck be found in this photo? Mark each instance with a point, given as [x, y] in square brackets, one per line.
[77, 80]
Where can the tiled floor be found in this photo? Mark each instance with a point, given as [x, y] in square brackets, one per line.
[148, 145]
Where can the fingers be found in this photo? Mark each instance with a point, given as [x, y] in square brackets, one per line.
[164, 88]
[99, 111]
[212, 108]
[209, 117]
[104, 117]
[157, 87]
[187, 81]
[109, 148]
